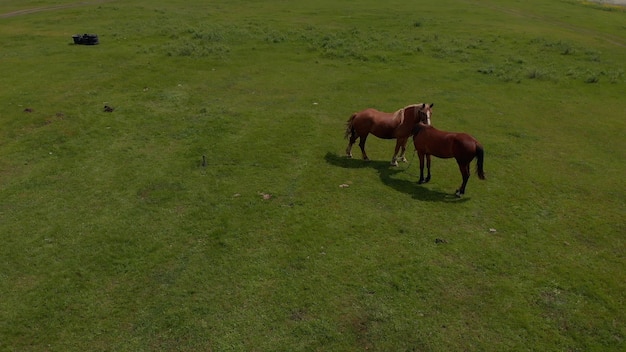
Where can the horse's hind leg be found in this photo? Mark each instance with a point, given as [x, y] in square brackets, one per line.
[362, 145]
[353, 138]
[465, 172]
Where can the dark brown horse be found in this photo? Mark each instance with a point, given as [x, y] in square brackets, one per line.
[461, 146]
[399, 125]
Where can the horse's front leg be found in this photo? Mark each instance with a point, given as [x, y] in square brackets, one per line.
[403, 147]
[428, 168]
[399, 144]
[421, 157]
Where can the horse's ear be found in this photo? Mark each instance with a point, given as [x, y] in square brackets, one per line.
[432, 104]
[423, 105]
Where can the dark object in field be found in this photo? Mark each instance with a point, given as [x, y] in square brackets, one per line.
[108, 108]
[28, 110]
[398, 125]
[440, 240]
[86, 39]
[461, 146]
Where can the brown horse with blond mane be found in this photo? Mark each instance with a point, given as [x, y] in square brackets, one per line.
[461, 146]
[399, 125]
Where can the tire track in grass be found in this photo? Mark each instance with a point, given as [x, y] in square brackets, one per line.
[51, 8]
[519, 13]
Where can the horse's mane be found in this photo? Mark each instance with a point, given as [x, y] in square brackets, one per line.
[400, 113]
[412, 105]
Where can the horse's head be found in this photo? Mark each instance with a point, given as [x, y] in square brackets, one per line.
[424, 111]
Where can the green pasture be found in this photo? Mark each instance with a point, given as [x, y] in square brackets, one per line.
[213, 209]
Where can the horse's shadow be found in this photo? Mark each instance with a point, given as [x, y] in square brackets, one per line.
[386, 173]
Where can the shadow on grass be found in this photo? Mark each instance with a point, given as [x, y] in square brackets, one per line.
[386, 173]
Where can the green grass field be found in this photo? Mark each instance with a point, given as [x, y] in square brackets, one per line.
[117, 236]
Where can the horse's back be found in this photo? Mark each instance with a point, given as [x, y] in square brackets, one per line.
[444, 144]
[378, 123]
[466, 140]
[465, 147]
[374, 115]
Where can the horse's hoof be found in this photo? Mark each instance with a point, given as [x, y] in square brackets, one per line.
[458, 194]
[420, 182]
[349, 156]
[404, 160]
[394, 163]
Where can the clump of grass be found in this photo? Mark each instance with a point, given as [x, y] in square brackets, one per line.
[351, 45]
[508, 77]
[275, 37]
[474, 44]
[195, 49]
[593, 56]
[536, 73]
[615, 76]
[563, 47]
[487, 70]
[449, 52]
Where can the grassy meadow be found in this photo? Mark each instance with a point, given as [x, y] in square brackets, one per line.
[209, 211]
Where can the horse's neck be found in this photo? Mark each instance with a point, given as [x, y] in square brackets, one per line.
[411, 116]
[422, 127]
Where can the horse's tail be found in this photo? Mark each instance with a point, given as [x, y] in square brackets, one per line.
[480, 158]
[350, 127]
